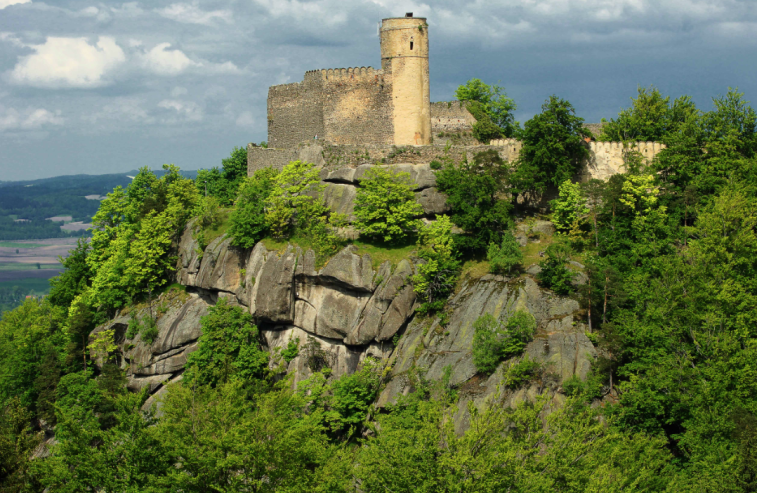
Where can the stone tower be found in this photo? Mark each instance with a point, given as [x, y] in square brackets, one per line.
[404, 55]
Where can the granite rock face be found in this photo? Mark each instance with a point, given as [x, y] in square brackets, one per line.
[560, 345]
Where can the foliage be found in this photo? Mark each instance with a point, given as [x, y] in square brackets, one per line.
[520, 372]
[248, 220]
[289, 202]
[146, 327]
[491, 107]
[385, 206]
[223, 184]
[135, 228]
[570, 207]
[73, 280]
[651, 118]
[436, 277]
[553, 148]
[17, 442]
[505, 256]
[494, 341]
[292, 350]
[228, 349]
[474, 193]
[554, 274]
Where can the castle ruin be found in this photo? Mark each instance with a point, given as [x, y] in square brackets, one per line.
[362, 115]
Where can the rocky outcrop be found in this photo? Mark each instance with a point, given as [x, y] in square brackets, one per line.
[428, 348]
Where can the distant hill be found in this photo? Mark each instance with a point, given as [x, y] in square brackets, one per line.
[25, 205]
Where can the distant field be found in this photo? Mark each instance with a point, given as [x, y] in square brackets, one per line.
[36, 274]
[18, 266]
[40, 286]
[11, 244]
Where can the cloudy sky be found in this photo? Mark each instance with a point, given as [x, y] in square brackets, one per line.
[102, 87]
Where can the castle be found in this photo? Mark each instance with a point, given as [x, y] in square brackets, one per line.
[363, 115]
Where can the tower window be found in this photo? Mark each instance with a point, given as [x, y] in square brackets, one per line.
[411, 45]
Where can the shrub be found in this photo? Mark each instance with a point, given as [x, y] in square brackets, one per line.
[385, 206]
[208, 212]
[436, 278]
[292, 350]
[554, 274]
[248, 223]
[489, 104]
[521, 372]
[228, 348]
[570, 207]
[505, 256]
[494, 341]
[435, 164]
[291, 200]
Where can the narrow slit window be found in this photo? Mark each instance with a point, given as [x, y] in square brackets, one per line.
[411, 45]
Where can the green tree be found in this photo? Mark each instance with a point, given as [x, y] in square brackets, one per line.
[17, 443]
[224, 183]
[294, 192]
[651, 117]
[228, 349]
[385, 206]
[570, 207]
[248, 221]
[554, 274]
[553, 148]
[475, 195]
[505, 256]
[491, 107]
[436, 278]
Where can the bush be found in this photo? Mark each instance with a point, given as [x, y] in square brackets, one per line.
[505, 256]
[292, 350]
[490, 104]
[248, 223]
[294, 193]
[223, 184]
[521, 372]
[436, 278]
[570, 207]
[494, 341]
[228, 348]
[435, 164]
[554, 274]
[385, 206]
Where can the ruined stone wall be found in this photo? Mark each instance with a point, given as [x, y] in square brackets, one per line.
[357, 106]
[450, 116]
[605, 158]
[295, 111]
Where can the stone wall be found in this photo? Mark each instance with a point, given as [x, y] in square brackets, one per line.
[605, 158]
[295, 111]
[357, 106]
[450, 116]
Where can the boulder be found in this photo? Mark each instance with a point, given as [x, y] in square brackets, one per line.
[188, 263]
[421, 174]
[433, 201]
[327, 310]
[221, 266]
[350, 270]
[340, 198]
[255, 262]
[274, 292]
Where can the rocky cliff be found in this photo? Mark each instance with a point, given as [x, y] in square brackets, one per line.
[350, 309]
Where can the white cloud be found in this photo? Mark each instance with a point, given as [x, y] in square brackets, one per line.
[178, 91]
[192, 14]
[166, 62]
[245, 119]
[8, 3]
[69, 62]
[188, 110]
[29, 119]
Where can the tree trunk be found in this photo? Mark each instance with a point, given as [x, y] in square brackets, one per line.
[604, 312]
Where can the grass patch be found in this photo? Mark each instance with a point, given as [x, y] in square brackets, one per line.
[18, 266]
[531, 251]
[10, 244]
[380, 253]
[474, 269]
[218, 229]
